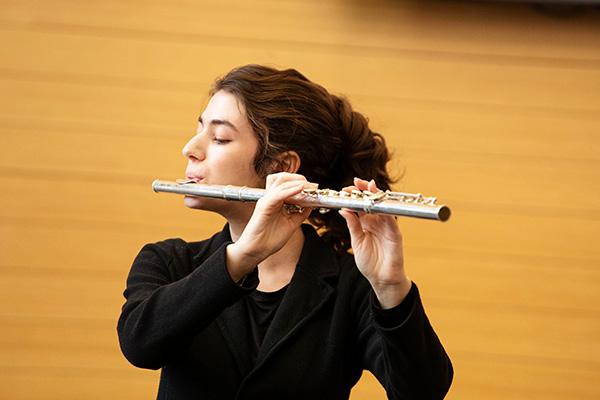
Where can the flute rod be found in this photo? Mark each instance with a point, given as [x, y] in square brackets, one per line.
[382, 203]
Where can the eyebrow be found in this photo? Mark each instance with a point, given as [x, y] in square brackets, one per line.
[219, 122]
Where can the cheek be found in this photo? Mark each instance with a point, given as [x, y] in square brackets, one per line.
[245, 168]
[235, 164]
[242, 159]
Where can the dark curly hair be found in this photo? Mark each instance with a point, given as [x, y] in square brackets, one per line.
[289, 112]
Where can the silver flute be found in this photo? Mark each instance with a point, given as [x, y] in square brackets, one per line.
[391, 203]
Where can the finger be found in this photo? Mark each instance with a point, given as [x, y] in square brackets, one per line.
[311, 185]
[349, 189]
[287, 181]
[270, 179]
[285, 191]
[372, 186]
[273, 179]
[284, 184]
[286, 177]
[354, 225]
[276, 196]
[361, 184]
[382, 225]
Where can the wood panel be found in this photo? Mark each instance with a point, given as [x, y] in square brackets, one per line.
[536, 87]
[458, 28]
[495, 108]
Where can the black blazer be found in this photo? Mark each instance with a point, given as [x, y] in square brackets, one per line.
[183, 314]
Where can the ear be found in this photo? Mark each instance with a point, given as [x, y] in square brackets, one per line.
[288, 161]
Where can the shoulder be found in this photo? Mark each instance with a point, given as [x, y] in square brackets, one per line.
[169, 249]
[177, 255]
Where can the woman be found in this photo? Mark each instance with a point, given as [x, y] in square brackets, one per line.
[268, 308]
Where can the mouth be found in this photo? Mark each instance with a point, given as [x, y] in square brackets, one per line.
[195, 179]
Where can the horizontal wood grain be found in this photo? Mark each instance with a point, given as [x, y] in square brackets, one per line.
[506, 26]
[496, 377]
[30, 382]
[534, 87]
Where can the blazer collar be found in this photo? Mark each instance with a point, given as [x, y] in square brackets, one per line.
[317, 258]
[204, 249]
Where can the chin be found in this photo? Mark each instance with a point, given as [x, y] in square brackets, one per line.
[195, 202]
[204, 203]
[222, 207]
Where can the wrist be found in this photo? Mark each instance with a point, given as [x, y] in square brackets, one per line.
[239, 262]
[390, 295]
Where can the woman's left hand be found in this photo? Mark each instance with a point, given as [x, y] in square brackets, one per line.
[377, 245]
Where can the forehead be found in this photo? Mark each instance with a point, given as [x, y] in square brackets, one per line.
[226, 106]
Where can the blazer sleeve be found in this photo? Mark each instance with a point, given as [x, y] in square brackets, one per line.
[400, 347]
[161, 313]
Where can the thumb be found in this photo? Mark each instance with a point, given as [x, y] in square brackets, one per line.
[354, 225]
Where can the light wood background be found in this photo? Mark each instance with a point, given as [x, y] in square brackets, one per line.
[494, 108]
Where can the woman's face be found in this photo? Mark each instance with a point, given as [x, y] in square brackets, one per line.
[222, 151]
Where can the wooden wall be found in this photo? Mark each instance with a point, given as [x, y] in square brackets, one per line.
[494, 108]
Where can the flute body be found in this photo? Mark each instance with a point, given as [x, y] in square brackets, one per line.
[391, 203]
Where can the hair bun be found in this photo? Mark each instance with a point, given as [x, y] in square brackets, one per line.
[366, 151]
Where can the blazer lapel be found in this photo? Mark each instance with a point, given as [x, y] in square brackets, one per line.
[308, 291]
[233, 322]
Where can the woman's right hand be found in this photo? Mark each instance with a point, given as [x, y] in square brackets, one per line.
[270, 226]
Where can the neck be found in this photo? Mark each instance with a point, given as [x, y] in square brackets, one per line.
[277, 270]
[237, 222]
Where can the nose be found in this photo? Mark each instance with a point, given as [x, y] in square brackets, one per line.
[193, 149]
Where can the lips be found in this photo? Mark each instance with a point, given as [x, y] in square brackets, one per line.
[194, 178]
